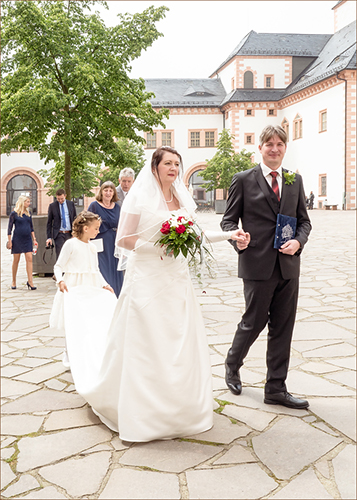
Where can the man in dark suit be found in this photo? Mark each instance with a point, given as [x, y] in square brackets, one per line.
[270, 276]
[61, 214]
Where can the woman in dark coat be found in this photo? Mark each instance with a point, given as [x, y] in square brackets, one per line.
[109, 211]
[23, 239]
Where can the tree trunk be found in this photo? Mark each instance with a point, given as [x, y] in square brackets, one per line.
[67, 174]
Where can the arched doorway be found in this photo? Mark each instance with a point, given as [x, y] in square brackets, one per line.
[21, 185]
[204, 199]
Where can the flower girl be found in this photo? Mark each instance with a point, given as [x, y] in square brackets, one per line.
[82, 300]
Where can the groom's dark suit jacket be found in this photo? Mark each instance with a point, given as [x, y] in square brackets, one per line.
[252, 200]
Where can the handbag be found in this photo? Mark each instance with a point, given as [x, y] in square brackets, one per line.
[47, 247]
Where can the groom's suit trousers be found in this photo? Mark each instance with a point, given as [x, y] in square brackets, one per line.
[270, 302]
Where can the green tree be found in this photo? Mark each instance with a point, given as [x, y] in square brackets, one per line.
[84, 175]
[132, 156]
[63, 70]
[225, 163]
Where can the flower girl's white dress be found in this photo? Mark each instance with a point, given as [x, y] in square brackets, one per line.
[86, 306]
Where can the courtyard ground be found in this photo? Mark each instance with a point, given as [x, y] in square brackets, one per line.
[54, 447]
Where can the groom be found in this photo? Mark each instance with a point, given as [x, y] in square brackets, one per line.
[270, 276]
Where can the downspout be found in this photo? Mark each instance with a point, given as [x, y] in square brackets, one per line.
[345, 179]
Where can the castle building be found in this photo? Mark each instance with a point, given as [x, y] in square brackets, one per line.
[304, 82]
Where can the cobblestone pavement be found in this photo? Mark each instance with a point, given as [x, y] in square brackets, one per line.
[53, 446]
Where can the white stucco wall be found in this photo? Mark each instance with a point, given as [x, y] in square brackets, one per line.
[344, 14]
[22, 159]
[254, 124]
[265, 66]
[226, 75]
[181, 124]
[319, 153]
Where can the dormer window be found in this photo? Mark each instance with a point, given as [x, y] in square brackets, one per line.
[198, 91]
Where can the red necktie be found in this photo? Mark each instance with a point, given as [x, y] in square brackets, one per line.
[275, 185]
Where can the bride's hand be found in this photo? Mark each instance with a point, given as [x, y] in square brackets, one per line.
[108, 287]
[242, 238]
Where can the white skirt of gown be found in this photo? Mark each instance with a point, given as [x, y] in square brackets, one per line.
[150, 376]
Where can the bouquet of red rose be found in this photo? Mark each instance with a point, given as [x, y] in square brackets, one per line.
[181, 234]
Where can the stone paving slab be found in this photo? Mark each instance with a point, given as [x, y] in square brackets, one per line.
[139, 484]
[305, 486]
[244, 481]
[169, 456]
[287, 454]
[53, 446]
[89, 472]
[344, 465]
[45, 449]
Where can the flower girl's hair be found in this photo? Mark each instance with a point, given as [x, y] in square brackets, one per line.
[85, 218]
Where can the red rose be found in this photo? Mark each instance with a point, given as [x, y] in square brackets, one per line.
[190, 223]
[180, 218]
[180, 229]
[165, 228]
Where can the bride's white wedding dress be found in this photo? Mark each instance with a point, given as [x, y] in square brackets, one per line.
[149, 376]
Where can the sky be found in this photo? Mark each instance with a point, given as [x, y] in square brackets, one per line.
[199, 35]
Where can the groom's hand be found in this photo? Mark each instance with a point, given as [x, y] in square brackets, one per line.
[290, 247]
[242, 238]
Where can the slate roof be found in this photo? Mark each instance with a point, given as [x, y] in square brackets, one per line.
[338, 54]
[185, 92]
[338, 3]
[278, 44]
[254, 95]
[333, 53]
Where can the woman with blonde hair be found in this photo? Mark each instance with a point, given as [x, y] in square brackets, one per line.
[23, 239]
[107, 208]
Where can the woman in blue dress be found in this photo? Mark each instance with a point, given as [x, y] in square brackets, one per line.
[23, 239]
[109, 211]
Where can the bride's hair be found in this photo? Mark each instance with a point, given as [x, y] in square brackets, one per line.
[158, 156]
[85, 218]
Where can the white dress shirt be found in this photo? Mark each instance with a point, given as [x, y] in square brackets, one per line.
[266, 172]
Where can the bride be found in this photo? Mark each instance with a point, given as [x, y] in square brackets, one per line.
[150, 377]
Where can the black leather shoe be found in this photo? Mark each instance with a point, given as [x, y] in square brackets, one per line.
[285, 399]
[233, 381]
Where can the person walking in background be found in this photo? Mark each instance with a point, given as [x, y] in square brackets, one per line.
[126, 180]
[23, 239]
[61, 214]
[270, 275]
[311, 201]
[109, 211]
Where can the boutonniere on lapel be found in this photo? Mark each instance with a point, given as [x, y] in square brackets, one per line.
[289, 177]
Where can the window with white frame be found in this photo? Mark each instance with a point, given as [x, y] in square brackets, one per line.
[151, 140]
[323, 121]
[297, 127]
[166, 139]
[195, 140]
[249, 138]
[269, 81]
[159, 138]
[202, 138]
[285, 126]
[209, 139]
